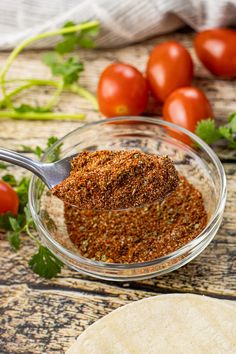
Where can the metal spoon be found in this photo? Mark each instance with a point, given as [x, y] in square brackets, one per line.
[50, 173]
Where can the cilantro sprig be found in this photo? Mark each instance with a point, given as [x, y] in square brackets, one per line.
[84, 39]
[210, 133]
[66, 71]
[43, 262]
[3, 166]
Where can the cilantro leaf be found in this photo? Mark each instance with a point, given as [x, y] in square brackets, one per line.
[231, 116]
[14, 224]
[69, 69]
[14, 240]
[28, 214]
[24, 108]
[207, 131]
[4, 221]
[45, 264]
[51, 58]
[22, 191]
[3, 166]
[38, 151]
[225, 132]
[13, 236]
[10, 179]
[52, 140]
[55, 155]
[83, 39]
[67, 45]
[232, 122]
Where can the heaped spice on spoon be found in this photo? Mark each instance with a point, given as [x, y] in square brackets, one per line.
[155, 223]
[117, 180]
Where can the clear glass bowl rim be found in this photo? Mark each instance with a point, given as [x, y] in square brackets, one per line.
[128, 266]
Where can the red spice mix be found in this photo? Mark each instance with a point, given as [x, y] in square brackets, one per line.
[117, 180]
[136, 234]
[139, 234]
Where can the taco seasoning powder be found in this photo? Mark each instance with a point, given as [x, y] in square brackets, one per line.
[117, 180]
[137, 234]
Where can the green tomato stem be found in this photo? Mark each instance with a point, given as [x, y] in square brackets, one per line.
[40, 116]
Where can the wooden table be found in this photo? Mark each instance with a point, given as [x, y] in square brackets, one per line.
[40, 316]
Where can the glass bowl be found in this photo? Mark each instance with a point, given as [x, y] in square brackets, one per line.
[191, 156]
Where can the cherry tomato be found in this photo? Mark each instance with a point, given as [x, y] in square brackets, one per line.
[122, 90]
[216, 49]
[9, 200]
[186, 106]
[169, 67]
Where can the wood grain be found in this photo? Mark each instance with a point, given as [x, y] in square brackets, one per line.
[40, 316]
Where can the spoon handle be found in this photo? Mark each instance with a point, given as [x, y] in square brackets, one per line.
[22, 161]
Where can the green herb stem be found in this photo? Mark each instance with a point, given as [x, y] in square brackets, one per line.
[19, 89]
[54, 99]
[5, 102]
[84, 93]
[29, 233]
[39, 82]
[74, 88]
[40, 116]
[29, 83]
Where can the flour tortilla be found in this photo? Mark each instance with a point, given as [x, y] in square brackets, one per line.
[165, 324]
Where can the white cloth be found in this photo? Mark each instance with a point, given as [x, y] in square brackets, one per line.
[122, 21]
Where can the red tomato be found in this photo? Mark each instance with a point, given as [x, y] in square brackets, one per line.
[9, 200]
[169, 67]
[216, 49]
[186, 106]
[122, 90]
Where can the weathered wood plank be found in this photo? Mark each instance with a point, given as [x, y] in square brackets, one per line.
[39, 321]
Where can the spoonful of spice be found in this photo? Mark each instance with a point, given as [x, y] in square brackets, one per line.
[117, 179]
[104, 179]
